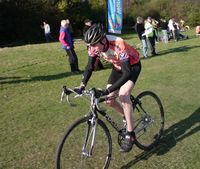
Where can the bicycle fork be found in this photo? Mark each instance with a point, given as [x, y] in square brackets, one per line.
[88, 145]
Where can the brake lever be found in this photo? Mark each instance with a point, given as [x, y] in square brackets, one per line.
[78, 95]
[62, 95]
[67, 92]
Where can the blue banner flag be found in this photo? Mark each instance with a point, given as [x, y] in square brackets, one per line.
[115, 16]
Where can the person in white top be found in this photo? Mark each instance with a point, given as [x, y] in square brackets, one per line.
[47, 32]
[172, 28]
[150, 34]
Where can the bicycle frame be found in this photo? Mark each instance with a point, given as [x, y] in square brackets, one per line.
[94, 108]
[115, 125]
[146, 119]
[94, 140]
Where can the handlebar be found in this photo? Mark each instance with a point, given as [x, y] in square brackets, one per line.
[90, 92]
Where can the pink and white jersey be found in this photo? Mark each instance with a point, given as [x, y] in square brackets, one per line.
[117, 52]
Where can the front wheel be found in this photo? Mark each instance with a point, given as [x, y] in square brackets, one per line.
[148, 119]
[86, 144]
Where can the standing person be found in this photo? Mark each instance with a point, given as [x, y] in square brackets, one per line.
[155, 31]
[172, 29]
[68, 45]
[164, 29]
[69, 26]
[149, 32]
[88, 24]
[197, 30]
[178, 33]
[139, 28]
[47, 32]
[125, 71]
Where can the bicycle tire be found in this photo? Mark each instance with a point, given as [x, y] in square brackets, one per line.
[69, 151]
[149, 126]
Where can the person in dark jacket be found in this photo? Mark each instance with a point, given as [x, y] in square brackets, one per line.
[164, 28]
[68, 45]
[139, 28]
[88, 24]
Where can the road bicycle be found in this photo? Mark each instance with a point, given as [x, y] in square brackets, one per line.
[87, 143]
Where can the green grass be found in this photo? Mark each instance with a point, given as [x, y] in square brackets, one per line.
[32, 119]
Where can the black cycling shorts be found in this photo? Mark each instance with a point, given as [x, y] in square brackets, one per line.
[116, 74]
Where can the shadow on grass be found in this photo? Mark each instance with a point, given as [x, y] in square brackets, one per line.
[23, 66]
[15, 80]
[173, 50]
[178, 49]
[171, 136]
[5, 78]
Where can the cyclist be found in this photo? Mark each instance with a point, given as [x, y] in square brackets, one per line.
[126, 69]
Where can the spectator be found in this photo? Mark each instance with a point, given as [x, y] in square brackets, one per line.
[155, 30]
[178, 31]
[88, 24]
[69, 26]
[172, 29]
[47, 32]
[139, 28]
[68, 45]
[149, 32]
[198, 30]
[164, 29]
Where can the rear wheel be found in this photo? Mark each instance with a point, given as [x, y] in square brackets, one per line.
[76, 150]
[148, 119]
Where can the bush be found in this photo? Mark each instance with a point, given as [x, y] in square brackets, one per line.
[20, 20]
[187, 10]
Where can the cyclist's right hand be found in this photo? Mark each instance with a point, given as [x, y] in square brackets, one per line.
[79, 89]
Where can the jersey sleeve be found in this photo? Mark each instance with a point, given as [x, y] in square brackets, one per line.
[89, 69]
[126, 73]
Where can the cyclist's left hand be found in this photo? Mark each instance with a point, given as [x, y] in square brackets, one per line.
[101, 92]
[80, 89]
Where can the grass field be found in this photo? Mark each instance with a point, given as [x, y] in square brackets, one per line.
[32, 119]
